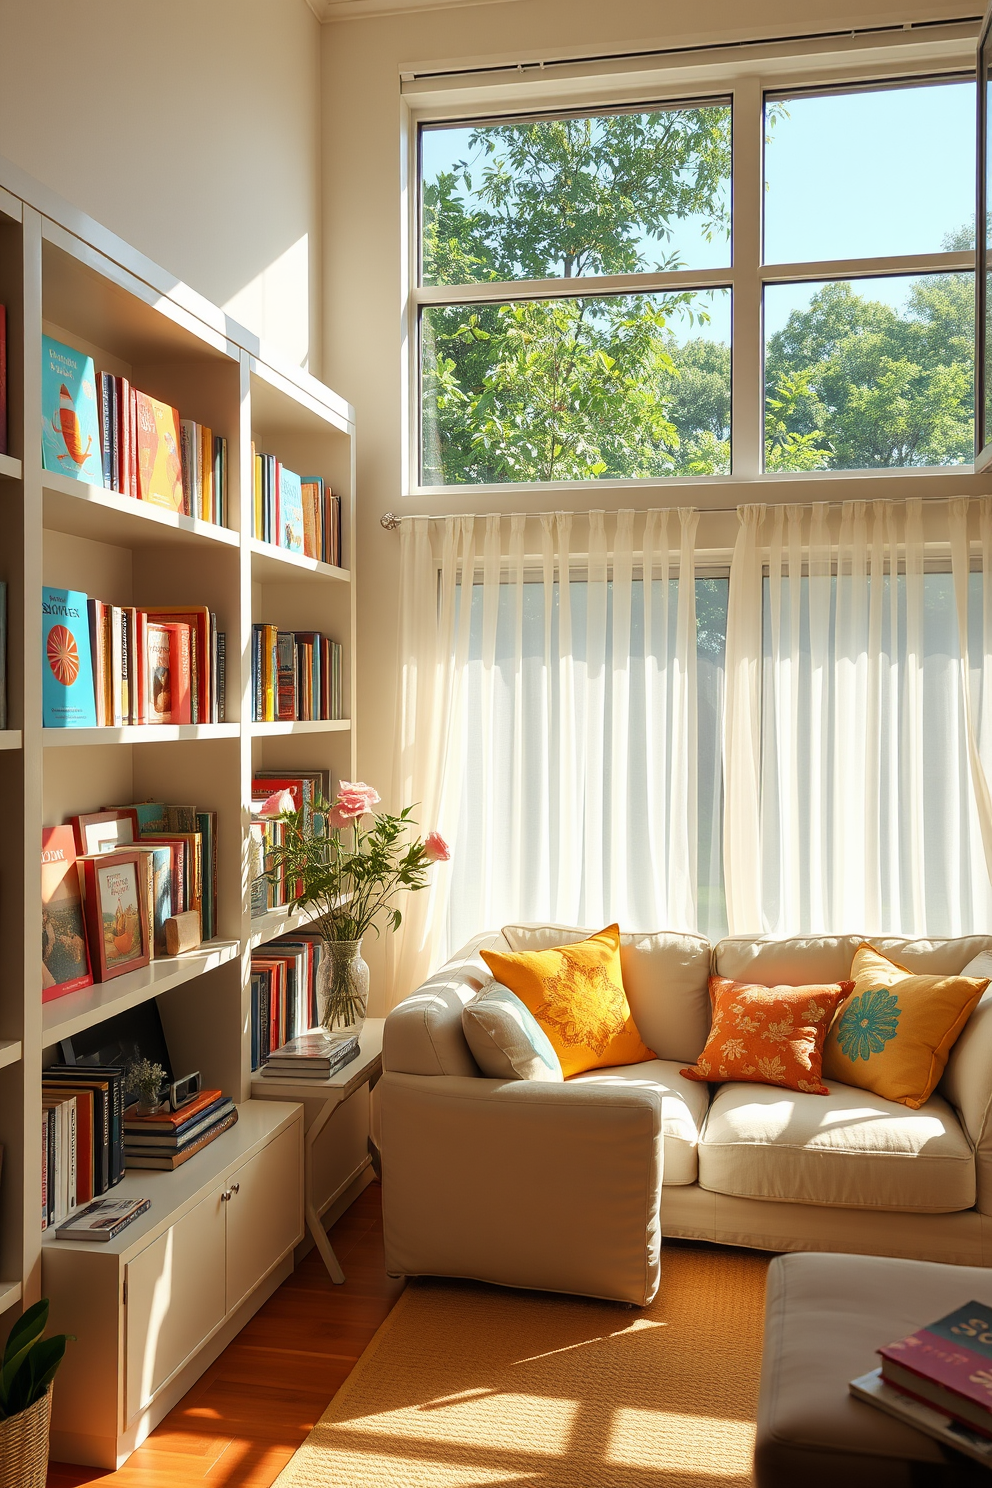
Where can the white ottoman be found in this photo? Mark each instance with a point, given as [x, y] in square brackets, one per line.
[825, 1316]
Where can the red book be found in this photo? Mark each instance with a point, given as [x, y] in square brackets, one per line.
[3, 379]
[167, 1121]
[948, 1365]
[169, 673]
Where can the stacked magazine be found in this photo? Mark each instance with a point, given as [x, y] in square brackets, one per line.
[939, 1379]
[313, 1056]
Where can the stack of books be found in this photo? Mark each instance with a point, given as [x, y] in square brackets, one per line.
[111, 665]
[283, 991]
[295, 674]
[298, 513]
[939, 1379]
[312, 1056]
[82, 1147]
[167, 1139]
[131, 443]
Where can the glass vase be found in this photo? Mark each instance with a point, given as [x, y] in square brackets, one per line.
[342, 987]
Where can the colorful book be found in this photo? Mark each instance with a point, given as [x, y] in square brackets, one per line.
[291, 511]
[948, 1365]
[169, 1160]
[67, 667]
[70, 427]
[65, 964]
[168, 1123]
[159, 461]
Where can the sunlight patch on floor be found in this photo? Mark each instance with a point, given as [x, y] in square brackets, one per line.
[665, 1440]
[528, 1423]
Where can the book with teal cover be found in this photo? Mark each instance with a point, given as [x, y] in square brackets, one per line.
[291, 510]
[66, 662]
[70, 422]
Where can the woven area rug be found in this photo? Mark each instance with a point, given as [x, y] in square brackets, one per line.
[466, 1385]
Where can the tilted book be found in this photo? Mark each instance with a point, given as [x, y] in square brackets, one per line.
[65, 965]
[67, 667]
[70, 420]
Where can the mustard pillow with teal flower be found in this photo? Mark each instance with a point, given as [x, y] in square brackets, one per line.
[895, 1031]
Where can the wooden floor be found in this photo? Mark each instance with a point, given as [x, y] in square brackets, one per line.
[244, 1419]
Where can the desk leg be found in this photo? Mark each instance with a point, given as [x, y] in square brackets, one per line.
[314, 1221]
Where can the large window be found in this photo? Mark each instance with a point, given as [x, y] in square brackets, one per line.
[582, 279]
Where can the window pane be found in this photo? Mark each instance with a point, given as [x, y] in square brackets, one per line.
[870, 373]
[577, 389]
[558, 198]
[862, 175]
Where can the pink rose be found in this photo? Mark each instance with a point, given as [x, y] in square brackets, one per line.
[277, 803]
[337, 818]
[435, 849]
[354, 799]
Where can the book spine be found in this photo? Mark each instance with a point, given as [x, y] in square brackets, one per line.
[3, 379]
[117, 1128]
[107, 428]
[132, 413]
[187, 455]
[221, 676]
[181, 673]
[206, 474]
[44, 1170]
[116, 663]
[95, 616]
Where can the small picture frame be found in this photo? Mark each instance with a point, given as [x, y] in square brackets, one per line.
[104, 831]
[116, 914]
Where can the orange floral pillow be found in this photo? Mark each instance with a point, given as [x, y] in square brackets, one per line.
[768, 1035]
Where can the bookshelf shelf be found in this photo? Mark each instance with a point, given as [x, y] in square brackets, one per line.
[10, 739]
[276, 922]
[270, 564]
[145, 733]
[10, 1053]
[10, 469]
[83, 510]
[10, 1292]
[78, 1010]
[301, 726]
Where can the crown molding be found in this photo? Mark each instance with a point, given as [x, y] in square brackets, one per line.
[349, 10]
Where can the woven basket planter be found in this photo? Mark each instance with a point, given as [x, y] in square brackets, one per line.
[24, 1445]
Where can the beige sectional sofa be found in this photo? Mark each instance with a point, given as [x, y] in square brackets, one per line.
[570, 1187]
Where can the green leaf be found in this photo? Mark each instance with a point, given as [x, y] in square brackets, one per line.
[29, 1326]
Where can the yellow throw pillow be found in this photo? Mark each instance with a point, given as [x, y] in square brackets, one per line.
[576, 993]
[895, 1031]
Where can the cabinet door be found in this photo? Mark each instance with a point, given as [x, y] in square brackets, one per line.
[175, 1298]
[264, 1212]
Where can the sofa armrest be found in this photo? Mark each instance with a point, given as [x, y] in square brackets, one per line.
[967, 1084]
[423, 1033]
[523, 1183]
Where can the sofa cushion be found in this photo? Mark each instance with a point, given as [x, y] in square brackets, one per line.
[894, 1034]
[683, 1110]
[506, 1039]
[664, 975]
[850, 1148]
[768, 1035]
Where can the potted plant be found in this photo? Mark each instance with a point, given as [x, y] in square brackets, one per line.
[145, 1080]
[350, 873]
[26, 1375]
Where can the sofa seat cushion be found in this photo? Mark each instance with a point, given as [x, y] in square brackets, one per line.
[851, 1149]
[683, 1110]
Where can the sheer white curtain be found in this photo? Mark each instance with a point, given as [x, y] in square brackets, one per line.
[858, 733]
[560, 715]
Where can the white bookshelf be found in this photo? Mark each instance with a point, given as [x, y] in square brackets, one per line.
[63, 274]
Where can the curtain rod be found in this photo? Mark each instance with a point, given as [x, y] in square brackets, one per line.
[391, 522]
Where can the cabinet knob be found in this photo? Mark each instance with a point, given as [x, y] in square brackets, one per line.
[229, 1193]
[235, 1188]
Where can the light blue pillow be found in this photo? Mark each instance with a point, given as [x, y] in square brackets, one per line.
[506, 1039]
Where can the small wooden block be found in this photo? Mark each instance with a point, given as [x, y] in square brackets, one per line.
[182, 932]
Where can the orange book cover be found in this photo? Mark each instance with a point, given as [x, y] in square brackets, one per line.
[160, 471]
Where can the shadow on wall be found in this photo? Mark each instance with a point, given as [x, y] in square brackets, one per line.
[207, 162]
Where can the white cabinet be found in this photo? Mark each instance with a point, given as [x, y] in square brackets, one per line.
[174, 1297]
[263, 1214]
[151, 1309]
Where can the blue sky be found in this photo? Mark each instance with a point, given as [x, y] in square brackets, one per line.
[854, 175]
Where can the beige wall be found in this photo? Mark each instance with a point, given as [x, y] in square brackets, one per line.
[189, 127]
[362, 243]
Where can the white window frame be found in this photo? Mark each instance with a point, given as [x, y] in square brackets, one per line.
[744, 73]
